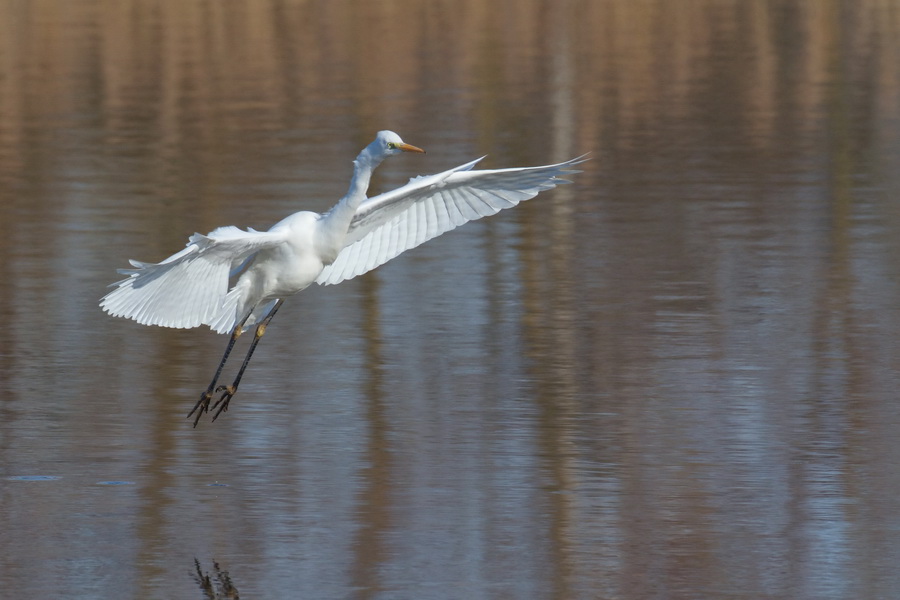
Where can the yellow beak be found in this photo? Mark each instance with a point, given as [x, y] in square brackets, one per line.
[409, 148]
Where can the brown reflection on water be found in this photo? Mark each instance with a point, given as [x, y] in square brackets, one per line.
[675, 378]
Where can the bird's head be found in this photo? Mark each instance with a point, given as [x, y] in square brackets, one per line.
[388, 143]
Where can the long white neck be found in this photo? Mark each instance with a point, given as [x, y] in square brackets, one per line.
[334, 224]
[363, 167]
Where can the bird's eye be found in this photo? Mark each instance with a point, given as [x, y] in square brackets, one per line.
[392, 146]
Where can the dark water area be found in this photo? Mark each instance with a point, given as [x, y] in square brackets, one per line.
[676, 378]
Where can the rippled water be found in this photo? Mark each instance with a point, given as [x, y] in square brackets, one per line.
[675, 378]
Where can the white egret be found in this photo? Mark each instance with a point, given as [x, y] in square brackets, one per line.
[231, 279]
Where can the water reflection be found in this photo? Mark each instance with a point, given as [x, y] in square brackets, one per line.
[219, 586]
[676, 378]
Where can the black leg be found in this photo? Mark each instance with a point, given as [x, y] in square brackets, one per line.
[205, 397]
[228, 391]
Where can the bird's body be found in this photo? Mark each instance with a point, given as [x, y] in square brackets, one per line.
[231, 279]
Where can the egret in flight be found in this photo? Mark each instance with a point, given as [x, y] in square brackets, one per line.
[230, 279]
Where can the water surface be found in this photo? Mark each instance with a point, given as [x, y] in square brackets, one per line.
[675, 378]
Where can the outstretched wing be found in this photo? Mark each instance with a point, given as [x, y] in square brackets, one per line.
[387, 225]
[188, 288]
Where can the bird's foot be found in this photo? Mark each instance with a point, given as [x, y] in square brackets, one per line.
[202, 406]
[228, 392]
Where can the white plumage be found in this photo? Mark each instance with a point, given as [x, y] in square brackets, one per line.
[389, 224]
[230, 279]
[189, 288]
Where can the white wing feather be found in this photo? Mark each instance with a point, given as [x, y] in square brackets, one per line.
[189, 288]
[391, 223]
